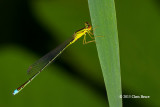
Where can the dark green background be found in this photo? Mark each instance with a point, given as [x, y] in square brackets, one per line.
[31, 28]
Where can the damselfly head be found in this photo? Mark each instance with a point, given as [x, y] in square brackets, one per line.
[88, 26]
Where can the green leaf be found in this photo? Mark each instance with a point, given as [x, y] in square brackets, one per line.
[103, 17]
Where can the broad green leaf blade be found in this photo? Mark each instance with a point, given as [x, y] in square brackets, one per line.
[103, 17]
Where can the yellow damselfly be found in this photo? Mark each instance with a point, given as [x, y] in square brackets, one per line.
[43, 62]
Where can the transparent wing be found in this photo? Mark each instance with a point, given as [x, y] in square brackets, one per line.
[48, 58]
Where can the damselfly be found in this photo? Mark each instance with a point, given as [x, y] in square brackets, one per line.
[43, 62]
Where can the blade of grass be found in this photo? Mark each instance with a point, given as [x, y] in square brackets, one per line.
[103, 17]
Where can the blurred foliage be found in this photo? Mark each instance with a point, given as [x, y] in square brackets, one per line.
[49, 89]
[29, 29]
